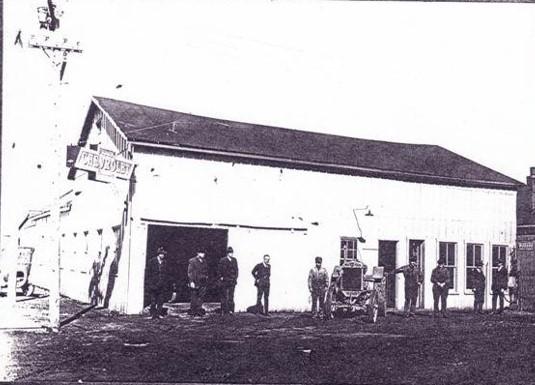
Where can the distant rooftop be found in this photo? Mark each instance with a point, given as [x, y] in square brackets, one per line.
[413, 162]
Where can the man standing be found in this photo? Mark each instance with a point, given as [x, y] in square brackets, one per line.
[499, 285]
[512, 282]
[440, 277]
[158, 282]
[478, 280]
[228, 277]
[318, 282]
[198, 279]
[413, 279]
[262, 274]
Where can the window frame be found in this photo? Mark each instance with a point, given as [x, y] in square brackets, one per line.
[354, 250]
[453, 277]
[493, 265]
[469, 267]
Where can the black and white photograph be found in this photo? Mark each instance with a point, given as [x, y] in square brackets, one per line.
[267, 192]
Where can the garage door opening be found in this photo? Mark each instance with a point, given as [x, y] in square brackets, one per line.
[182, 243]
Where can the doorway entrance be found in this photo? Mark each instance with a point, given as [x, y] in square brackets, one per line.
[182, 243]
[387, 259]
[417, 248]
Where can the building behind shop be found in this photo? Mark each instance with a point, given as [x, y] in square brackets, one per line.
[526, 242]
[204, 183]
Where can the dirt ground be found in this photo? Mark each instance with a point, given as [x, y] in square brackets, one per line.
[284, 348]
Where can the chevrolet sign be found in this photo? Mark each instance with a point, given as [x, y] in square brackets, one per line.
[102, 162]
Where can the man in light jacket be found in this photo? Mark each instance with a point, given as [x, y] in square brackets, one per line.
[318, 282]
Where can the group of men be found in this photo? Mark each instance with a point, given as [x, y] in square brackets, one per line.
[159, 280]
[441, 280]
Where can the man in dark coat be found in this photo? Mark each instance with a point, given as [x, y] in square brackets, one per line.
[440, 277]
[198, 280]
[318, 282]
[478, 281]
[413, 279]
[158, 282]
[262, 274]
[228, 277]
[499, 285]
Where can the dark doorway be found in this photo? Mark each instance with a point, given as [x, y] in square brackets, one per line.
[182, 243]
[387, 259]
[417, 249]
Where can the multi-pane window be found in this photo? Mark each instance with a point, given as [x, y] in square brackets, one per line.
[348, 249]
[498, 252]
[473, 256]
[447, 252]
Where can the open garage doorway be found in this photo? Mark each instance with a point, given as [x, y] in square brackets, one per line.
[182, 243]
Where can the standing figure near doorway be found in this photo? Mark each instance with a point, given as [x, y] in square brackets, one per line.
[499, 285]
[198, 279]
[158, 280]
[478, 279]
[228, 277]
[413, 279]
[262, 274]
[512, 282]
[440, 277]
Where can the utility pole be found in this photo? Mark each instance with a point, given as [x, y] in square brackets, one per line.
[57, 49]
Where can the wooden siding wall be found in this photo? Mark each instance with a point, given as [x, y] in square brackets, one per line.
[218, 193]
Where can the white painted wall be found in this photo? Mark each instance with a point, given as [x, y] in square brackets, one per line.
[186, 190]
[88, 237]
[201, 191]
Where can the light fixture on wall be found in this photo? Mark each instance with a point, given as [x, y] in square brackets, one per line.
[369, 213]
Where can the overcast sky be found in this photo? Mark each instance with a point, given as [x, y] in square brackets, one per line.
[460, 75]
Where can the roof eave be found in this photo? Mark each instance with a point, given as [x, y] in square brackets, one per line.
[332, 167]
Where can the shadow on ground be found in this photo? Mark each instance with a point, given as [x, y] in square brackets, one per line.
[285, 348]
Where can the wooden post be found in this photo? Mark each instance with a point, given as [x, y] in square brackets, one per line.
[58, 50]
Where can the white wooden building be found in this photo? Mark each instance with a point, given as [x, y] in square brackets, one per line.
[207, 183]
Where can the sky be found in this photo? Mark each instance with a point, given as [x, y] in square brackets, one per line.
[459, 75]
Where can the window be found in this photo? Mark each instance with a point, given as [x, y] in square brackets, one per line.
[447, 251]
[498, 252]
[348, 249]
[473, 255]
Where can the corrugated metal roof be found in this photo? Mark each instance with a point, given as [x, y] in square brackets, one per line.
[429, 163]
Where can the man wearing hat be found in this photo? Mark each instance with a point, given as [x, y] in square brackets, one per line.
[478, 282]
[413, 279]
[499, 285]
[228, 277]
[318, 282]
[440, 277]
[198, 279]
[158, 282]
[262, 276]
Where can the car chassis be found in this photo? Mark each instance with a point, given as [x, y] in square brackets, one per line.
[352, 292]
